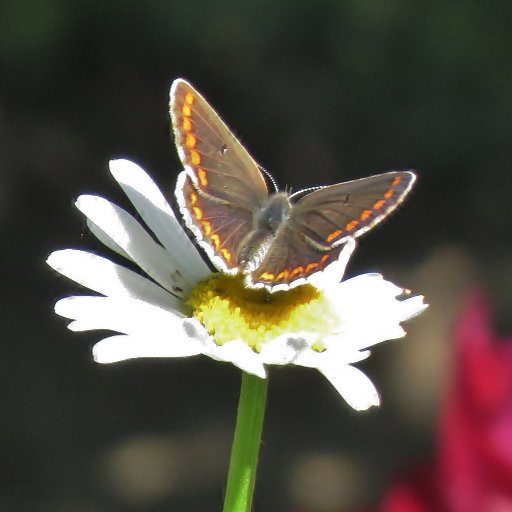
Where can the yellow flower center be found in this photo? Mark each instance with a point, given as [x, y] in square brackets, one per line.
[230, 311]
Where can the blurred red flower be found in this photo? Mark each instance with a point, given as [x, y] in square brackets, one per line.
[473, 467]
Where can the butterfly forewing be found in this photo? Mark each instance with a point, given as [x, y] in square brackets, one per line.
[216, 161]
[331, 214]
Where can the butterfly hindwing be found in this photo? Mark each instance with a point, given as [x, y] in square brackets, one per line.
[217, 226]
[290, 259]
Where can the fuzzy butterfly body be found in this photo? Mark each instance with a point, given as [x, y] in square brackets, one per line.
[274, 240]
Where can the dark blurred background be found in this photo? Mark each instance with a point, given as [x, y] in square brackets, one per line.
[319, 92]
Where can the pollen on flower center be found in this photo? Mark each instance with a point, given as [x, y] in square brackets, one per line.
[231, 311]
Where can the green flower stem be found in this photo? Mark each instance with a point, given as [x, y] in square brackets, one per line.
[246, 444]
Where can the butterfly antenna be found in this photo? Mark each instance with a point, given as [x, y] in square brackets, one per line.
[269, 176]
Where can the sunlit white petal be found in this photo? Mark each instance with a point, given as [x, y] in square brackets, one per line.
[105, 277]
[106, 240]
[241, 355]
[120, 315]
[286, 349]
[160, 218]
[352, 384]
[126, 232]
[412, 307]
[370, 294]
[122, 347]
[333, 273]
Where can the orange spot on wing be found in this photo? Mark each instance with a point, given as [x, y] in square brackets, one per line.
[282, 275]
[352, 225]
[189, 98]
[325, 257]
[187, 124]
[207, 227]
[267, 276]
[334, 235]
[186, 110]
[389, 194]
[202, 175]
[379, 204]
[193, 199]
[226, 254]
[198, 212]
[190, 140]
[366, 214]
[195, 157]
[216, 241]
[396, 181]
[311, 266]
[296, 271]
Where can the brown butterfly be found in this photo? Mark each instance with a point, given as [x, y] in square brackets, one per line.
[273, 239]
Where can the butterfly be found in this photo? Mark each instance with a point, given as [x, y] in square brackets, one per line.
[274, 239]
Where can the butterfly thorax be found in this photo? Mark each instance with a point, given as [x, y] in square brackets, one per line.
[267, 219]
[273, 212]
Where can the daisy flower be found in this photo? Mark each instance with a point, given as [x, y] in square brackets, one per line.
[174, 306]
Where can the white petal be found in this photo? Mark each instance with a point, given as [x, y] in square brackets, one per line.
[372, 287]
[159, 217]
[412, 307]
[339, 354]
[286, 349]
[121, 347]
[352, 384]
[241, 355]
[127, 316]
[126, 232]
[108, 278]
[106, 240]
[369, 311]
[333, 273]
